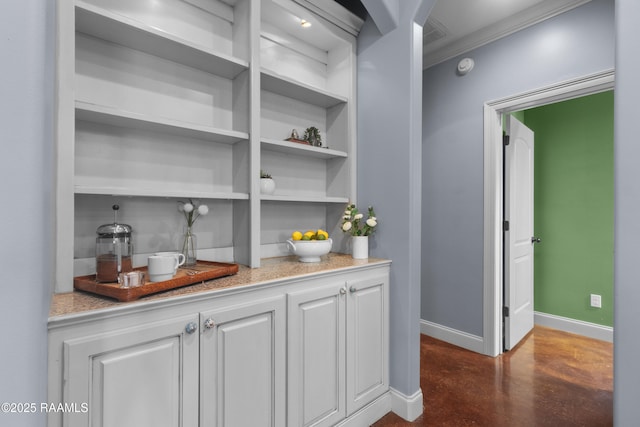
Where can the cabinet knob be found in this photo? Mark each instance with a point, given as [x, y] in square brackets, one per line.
[209, 323]
[352, 289]
[343, 291]
[191, 327]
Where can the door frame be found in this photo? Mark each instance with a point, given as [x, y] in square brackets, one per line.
[494, 185]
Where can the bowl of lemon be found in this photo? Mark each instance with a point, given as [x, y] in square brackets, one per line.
[311, 245]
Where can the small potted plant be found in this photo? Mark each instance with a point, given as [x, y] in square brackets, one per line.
[267, 184]
[312, 136]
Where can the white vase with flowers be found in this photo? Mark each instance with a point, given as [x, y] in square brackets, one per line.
[360, 228]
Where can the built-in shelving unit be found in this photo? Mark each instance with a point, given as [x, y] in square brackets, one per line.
[190, 99]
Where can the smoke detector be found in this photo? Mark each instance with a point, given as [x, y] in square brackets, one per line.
[465, 65]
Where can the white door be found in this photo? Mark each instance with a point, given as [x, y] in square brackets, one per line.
[519, 240]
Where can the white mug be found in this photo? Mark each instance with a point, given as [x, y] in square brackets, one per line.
[177, 255]
[161, 268]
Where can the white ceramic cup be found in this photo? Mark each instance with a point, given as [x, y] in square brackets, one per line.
[161, 268]
[177, 255]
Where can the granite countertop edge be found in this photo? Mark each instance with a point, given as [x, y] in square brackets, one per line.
[79, 304]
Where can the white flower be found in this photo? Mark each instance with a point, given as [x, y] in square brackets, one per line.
[347, 213]
[187, 207]
[346, 226]
[358, 216]
[347, 217]
[203, 209]
[371, 222]
[373, 218]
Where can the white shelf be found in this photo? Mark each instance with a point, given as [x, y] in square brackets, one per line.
[276, 83]
[127, 32]
[301, 149]
[131, 192]
[120, 118]
[303, 199]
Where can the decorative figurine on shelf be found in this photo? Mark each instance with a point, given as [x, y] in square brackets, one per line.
[294, 137]
[312, 135]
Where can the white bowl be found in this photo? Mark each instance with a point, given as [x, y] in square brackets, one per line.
[310, 250]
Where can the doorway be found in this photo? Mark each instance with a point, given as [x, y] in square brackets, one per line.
[494, 185]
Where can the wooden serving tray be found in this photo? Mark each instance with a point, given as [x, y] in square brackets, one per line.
[203, 270]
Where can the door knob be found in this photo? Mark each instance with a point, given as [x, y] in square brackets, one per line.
[209, 323]
[536, 240]
[191, 327]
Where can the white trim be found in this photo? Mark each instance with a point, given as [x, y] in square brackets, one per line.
[528, 17]
[407, 407]
[588, 329]
[452, 336]
[493, 184]
[370, 413]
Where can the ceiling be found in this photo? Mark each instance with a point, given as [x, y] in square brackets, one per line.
[458, 26]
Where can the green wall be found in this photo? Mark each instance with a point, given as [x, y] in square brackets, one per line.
[574, 207]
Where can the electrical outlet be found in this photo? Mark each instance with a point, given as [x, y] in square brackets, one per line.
[596, 301]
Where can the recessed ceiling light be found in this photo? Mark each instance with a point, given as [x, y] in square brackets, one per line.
[304, 23]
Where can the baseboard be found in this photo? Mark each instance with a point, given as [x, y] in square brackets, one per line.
[452, 336]
[407, 407]
[370, 413]
[591, 330]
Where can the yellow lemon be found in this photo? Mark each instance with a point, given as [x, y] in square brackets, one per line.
[323, 233]
[310, 234]
[296, 235]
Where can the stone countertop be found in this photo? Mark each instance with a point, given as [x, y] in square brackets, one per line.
[271, 269]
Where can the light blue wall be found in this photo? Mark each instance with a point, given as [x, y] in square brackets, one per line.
[389, 166]
[26, 77]
[627, 211]
[573, 44]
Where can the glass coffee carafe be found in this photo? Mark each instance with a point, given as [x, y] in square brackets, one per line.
[114, 250]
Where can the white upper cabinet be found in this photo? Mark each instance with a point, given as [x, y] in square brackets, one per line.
[160, 102]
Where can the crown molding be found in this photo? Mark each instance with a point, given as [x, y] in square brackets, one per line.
[519, 21]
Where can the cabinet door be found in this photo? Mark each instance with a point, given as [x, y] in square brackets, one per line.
[242, 363]
[141, 376]
[367, 341]
[316, 356]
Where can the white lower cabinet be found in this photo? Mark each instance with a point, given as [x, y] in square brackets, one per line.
[222, 367]
[139, 376]
[337, 350]
[308, 352]
[242, 365]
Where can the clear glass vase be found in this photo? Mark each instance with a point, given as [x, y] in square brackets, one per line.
[189, 247]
